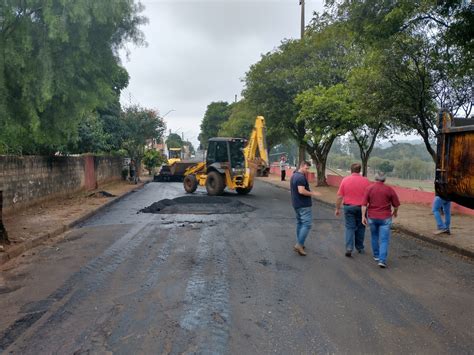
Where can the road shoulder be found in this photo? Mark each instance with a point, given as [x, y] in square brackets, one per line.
[414, 220]
[33, 226]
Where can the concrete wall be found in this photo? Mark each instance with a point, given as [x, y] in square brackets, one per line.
[27, 180]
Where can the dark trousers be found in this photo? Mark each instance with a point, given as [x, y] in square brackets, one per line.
[355, 230]
[283, 175]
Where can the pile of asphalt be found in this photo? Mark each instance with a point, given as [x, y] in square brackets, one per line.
[199, 205]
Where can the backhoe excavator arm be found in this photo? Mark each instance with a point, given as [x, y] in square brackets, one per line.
[258, 140]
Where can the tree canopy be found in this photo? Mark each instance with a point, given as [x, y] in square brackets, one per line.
[216, 114]
[59, 64]
[140, 125]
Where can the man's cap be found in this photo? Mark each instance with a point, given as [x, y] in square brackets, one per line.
[380, 176]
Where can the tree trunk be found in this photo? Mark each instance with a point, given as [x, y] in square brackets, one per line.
[320, 162]
[321, 171]
[430, 150]
[365, 162]
[3, 232]
[301, 154]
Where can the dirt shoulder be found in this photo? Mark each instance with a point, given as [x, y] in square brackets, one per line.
[32, 226]
[414, 220]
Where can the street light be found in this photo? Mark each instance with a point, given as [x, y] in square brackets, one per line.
[168, 113]
[302, 18]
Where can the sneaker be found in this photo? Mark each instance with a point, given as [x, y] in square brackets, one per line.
[382, 264]
[441, 231]
[376, 258]
[348, 253]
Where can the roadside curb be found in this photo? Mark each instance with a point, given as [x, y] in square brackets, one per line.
[402, 229]
[437, 242]
[32, 243]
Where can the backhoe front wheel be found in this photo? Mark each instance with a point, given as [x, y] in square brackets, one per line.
[215, 183]
[190, 183]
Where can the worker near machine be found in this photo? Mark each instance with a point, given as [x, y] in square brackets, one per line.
[351, 194]
[440, 205]
[302, 203]
[283, 165]
[381, 204]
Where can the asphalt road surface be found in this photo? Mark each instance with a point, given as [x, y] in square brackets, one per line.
[217, 276]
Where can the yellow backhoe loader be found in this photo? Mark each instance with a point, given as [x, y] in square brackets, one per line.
[173, 170]
[231, 163]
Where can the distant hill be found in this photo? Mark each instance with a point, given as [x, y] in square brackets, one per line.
[387, 144]
[400, 151]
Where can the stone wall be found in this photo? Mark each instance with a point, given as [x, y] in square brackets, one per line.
[26, 180]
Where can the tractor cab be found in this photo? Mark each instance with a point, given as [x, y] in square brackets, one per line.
[223, 153]
[174, 155]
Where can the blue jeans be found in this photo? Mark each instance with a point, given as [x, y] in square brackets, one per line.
[304, 218]
[380, 231]
[438, 205]
[355, 230]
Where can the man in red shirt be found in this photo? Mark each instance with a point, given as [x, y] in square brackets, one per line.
[351, 192]
[379, 199]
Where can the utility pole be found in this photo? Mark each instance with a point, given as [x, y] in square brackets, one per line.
[302, 18]
[301, 147]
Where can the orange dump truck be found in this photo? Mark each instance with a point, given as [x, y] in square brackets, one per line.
[455, 159]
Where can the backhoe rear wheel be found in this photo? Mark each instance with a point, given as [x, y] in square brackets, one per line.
[190, 183]
[215, 184]
[243, 190]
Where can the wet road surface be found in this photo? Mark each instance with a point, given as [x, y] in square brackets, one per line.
[188, 280]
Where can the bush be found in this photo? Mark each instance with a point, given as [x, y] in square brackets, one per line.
[152, 159]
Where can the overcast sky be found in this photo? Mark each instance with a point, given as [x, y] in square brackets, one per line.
[199, 50]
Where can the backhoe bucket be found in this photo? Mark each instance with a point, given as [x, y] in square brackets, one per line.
[174, 172]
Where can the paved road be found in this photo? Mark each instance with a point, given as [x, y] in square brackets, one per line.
[130, 282]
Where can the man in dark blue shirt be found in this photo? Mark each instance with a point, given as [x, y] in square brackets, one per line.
[301, 197]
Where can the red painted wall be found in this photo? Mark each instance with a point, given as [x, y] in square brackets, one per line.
[407, 195]
[289, 172]
[90, 182]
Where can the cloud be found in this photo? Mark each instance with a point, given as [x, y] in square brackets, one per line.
[198, 52]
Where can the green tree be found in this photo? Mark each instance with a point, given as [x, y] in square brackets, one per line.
[140, 125]
[110, 112]
[240, 122]
[152, 159]
[369, 119]
[92, 137]
[386, 166]
[413, 168]
[322, 110]
[216, 114]
[174, 141]
[424, 51]
[272, 84]
[58, 62]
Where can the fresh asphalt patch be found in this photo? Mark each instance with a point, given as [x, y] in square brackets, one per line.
[199, 205]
